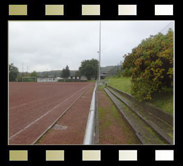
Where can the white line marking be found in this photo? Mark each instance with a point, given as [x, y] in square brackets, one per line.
[58, 118]
[27, 103]
[44, 114]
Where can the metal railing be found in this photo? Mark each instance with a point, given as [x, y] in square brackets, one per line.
[90, 133]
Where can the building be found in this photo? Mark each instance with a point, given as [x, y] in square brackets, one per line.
[48, 79]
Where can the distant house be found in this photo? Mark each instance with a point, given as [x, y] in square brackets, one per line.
[48, 79]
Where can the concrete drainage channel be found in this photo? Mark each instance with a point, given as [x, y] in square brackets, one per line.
[151, 125]
[149, 128]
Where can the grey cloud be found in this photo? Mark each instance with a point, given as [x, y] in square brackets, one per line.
[50, 45]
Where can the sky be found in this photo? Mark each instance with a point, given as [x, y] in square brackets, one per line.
[51, 45]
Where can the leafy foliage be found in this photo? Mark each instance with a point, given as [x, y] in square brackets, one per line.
[13, 72]
[65, 72]
[89, 68]
[34, 74]
[77, 74]
[127, 66]
[151, 66]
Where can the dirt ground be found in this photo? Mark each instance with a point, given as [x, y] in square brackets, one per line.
[113, 127]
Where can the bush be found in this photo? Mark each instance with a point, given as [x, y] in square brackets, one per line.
[151, 66]
[127, 72]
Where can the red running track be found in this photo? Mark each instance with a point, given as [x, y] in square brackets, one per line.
[33, 107]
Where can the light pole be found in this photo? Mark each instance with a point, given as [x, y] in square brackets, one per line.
[99, 51]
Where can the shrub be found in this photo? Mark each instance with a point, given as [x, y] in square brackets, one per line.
[151, 66]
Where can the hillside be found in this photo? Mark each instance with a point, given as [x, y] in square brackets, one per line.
[54, 73]
[106, 69]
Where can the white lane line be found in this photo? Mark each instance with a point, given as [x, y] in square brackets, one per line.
[58, 118]
[45, 114]
[27, 103]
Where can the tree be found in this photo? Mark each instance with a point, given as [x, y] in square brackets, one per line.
[13, 72]
[77, 74]
[19, 78]
[89, 68]
[127, 66]
[34, 74]
[65, 72]
[151, 66]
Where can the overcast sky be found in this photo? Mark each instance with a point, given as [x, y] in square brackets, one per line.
[51, 45]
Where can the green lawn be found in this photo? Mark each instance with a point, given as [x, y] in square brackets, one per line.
[123, 83]
[163, 101]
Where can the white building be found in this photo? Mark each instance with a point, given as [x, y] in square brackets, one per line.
[48, 79]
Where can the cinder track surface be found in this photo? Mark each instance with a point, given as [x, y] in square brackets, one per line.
[70, 128]
[34, 107]
[149, 128]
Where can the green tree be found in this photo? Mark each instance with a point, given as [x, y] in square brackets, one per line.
[127, 66]
[34, 74]
[151, 66]
[13, 72]
[65, 72]
[77, 74]
[89, 68]
[19, 78]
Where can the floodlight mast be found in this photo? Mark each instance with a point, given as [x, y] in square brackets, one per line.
[99, 52]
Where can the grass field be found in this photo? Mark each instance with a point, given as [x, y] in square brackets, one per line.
[163, 101]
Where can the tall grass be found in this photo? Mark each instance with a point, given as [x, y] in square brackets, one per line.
[163, 101]
[123, 83]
